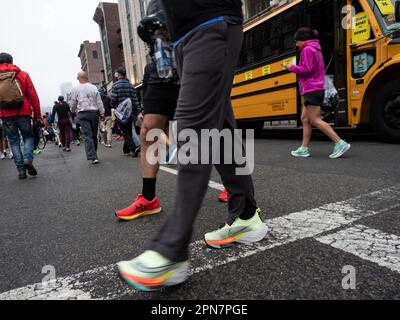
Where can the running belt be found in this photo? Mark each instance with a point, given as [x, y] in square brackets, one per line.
[180, 40]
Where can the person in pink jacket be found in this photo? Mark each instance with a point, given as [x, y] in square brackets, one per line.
[311, 75]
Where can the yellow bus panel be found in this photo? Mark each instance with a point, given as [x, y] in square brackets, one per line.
[271, 104]
[269, 83]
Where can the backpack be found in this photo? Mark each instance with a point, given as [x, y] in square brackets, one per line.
[124, 111]
[11, 96]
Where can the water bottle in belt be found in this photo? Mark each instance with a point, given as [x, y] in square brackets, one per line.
[164, 58]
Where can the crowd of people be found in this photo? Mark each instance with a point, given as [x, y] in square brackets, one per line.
[202, 42]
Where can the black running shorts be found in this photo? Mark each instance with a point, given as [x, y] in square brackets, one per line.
[161, 99]
[314, 98]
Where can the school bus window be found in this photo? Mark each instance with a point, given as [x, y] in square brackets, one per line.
[289, 27]
[271, 38]
[361, 27]
[384, 10]
[362, 62]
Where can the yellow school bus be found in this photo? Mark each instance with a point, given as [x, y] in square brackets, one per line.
[361, 46]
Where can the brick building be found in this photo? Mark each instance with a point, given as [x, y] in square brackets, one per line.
[92, 61]
[107, 17]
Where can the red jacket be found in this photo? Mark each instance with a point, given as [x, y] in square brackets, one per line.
[31, 102]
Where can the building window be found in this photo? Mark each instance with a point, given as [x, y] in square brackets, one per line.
[254, 7]
[95, 55]
[107, 56]
[130, 27]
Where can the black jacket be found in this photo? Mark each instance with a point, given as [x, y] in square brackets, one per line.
[122, 90]
[185, 15]
[63, 111]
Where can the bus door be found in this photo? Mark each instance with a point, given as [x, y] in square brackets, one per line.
[325, 16]
[340, 67]
[361, 56]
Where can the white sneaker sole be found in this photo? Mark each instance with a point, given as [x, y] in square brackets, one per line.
[254, 236]
[336, 156]
[300, 156]
[180, 276]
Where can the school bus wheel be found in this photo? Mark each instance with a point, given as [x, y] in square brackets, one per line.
[385, 113]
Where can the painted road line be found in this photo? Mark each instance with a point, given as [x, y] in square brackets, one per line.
[283, 231]
[212, 184]
[369, 244]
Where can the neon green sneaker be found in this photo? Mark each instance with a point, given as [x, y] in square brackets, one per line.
[301, 152]
[151, 272]
[241, 231]
[340, 149]
[37, 152]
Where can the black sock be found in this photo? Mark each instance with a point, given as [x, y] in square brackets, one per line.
[149, 189]
[249, 211]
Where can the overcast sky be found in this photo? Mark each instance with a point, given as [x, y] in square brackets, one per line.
[44, 36]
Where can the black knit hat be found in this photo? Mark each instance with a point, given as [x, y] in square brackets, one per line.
[306, 34]
[6, 58]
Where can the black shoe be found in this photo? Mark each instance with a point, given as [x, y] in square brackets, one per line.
[22, 176]
[31, 169]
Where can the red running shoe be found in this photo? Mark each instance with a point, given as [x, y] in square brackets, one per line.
[141, 207]
[223, 197]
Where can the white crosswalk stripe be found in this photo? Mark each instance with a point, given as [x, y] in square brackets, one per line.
[369, 244]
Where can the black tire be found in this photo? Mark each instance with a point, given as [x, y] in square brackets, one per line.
[385, 113]
[42, 140]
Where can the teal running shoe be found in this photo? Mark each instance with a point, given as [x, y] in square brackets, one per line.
[301, 152]
[151, 272]
[340, 149]
[241, 231]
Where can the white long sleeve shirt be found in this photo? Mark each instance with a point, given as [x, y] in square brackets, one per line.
[86, 97]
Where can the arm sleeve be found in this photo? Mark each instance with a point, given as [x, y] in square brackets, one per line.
[33, 98]
[306, 65]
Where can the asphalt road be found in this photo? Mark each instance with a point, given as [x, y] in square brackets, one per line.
[65, 218]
